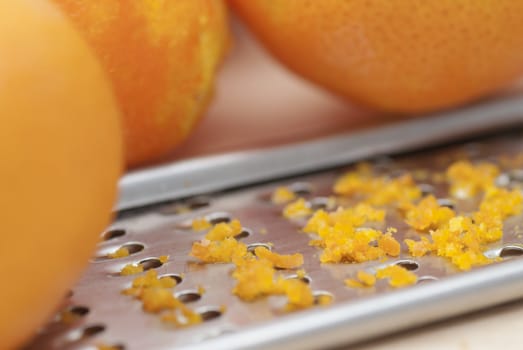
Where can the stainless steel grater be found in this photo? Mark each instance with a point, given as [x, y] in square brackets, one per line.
[157, 206]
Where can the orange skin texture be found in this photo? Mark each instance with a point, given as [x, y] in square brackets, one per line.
[62, 153]
[161, 56]
[406, 56]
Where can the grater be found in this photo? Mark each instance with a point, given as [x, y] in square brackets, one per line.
[157, 206]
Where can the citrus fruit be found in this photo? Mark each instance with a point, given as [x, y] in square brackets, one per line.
[161, 57]
[61, 152]
[401, 56]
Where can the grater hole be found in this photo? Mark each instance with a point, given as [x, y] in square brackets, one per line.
[409, 265]
[91, 331]
[447, 202]
[426, 189]
[320, 203]
[244, 234]
[79, 311]
[189, 204]
[112, 234]
[511, 251]
[198, 202]
[188, 296]
[216, 218]
[133, 248]
[322, 297]
[301, 188]
[211, 314]
[425, 279]
[116, 347]
[175, 277]
[150, 263]
[251, 247]
[306, 279]
[71, 315]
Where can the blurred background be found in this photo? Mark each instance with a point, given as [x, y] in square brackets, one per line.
[259, 103]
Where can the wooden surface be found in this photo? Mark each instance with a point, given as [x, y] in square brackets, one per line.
[260, 104]
[496, 328]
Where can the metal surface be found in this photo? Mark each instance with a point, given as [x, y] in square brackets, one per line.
[206, 174]
[164, 229]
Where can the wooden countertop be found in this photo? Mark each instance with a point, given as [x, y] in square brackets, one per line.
[500, 327]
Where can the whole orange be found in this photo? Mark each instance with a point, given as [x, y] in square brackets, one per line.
[161, 56]
[395, 55]
[61, 152]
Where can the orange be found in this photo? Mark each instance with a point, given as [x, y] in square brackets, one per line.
[161, 56]
[395, 55]
[61, 152]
